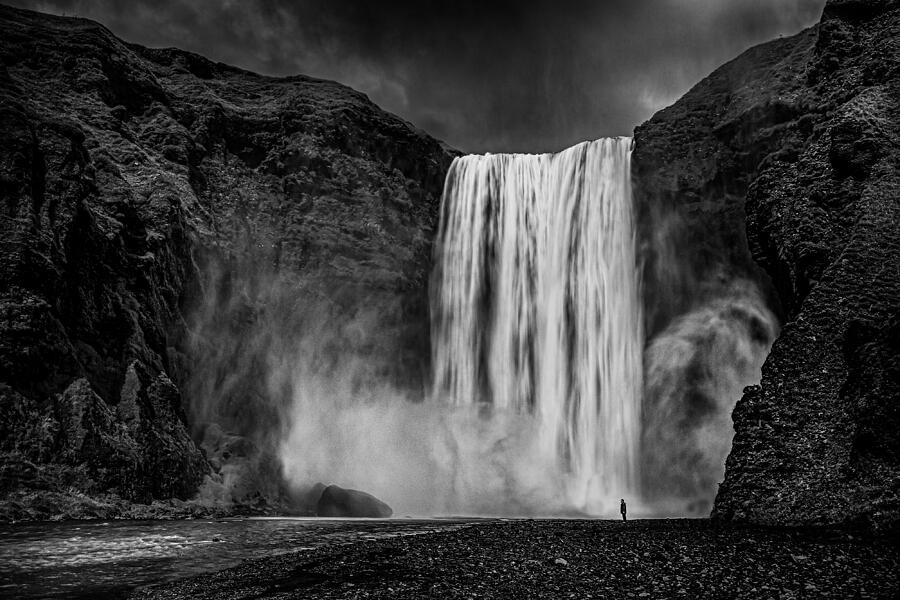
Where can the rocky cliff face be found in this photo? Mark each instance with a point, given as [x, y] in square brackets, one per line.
[791, 151]
[148, 196]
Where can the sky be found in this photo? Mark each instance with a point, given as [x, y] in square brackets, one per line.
[484, 76]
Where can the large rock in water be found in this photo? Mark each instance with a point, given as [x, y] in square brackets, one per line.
[788, 159]
[148, 198]
[336, 501]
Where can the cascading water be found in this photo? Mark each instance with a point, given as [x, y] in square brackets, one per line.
[536, 307]
[538, 405]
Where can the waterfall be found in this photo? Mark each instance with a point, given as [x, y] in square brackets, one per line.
[536, 307]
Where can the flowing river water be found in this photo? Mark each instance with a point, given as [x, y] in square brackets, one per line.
[109, 559]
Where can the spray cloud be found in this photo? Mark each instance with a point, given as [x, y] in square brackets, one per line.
[542, 403]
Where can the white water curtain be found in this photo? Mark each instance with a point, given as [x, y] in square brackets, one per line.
[536, 306]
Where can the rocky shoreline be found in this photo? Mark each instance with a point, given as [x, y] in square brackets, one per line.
[20, 506]
[574, 558]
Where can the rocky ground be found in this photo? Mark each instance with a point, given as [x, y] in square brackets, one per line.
[49, 504]
[572, 559]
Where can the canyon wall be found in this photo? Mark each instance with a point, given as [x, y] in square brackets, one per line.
[150, 198]
[781, 168]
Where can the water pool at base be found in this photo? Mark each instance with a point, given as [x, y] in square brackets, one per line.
[109, 559]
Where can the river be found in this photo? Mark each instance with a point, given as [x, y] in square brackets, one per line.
[109, 559]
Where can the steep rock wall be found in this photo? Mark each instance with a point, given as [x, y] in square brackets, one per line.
[136, 185]
[789, 156]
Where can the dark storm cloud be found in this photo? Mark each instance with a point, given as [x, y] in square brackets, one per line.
[484, 76]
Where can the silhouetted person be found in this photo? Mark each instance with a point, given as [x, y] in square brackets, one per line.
[623, 509]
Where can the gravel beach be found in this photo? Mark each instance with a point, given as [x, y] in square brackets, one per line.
[571, 559]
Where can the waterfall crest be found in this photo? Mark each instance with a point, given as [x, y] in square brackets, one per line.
[536, 307]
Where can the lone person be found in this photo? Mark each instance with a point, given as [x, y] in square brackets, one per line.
[623, 509]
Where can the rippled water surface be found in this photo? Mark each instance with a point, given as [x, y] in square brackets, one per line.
[108, 559]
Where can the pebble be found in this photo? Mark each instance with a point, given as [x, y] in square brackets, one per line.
[521, 559]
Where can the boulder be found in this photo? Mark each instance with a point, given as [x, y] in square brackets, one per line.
[336, 501]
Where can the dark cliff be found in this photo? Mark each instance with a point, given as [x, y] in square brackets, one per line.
[782, 167]
[136, 185]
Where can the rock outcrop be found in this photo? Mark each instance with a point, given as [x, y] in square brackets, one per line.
[147, 194]
[783, 167]
[336, 501]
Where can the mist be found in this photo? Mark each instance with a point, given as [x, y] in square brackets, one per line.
[694, 373]
[291, 387]
[295, 380]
